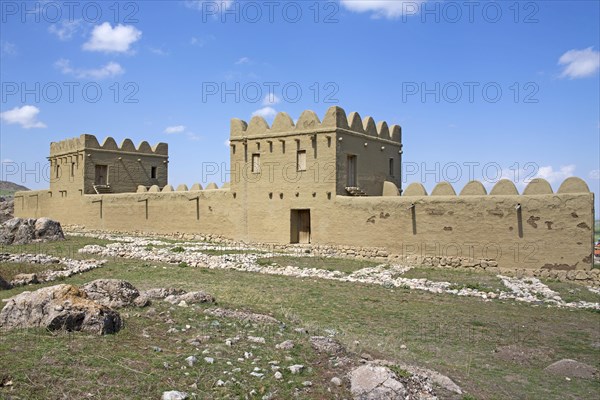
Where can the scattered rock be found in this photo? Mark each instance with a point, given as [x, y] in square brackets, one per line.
[278, 375]
[425, 374]
[190, 298]
[4, 285]
[572, 369]
[191, 360]
[296, 369]
[336, 381]
[255, 339]
[23, 231]
[325, 344]
[60, 307]
[371, 382]
[241, 315]
[209, 360]
[161, 293]
[287, 345]
[174, 395]
[6, 209]
[24, 279]
[112, 293]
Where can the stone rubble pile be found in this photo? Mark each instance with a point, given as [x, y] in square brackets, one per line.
[217, 242]
[89, 308]
[30, 230]
[7, 206]
[60, 307]
[70, 267]
[529, 290]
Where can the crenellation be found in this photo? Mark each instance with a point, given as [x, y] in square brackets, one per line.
[504, 187]
[538, 186]
[109, 144]
[308, 120]
[355, 122]
[473, 188]
[573, 184]
[369, 126]
[443, 189]
[283, 123]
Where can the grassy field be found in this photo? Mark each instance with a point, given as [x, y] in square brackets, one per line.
[492, 349]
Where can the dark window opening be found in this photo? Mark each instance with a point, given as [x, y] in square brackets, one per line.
[153, 173]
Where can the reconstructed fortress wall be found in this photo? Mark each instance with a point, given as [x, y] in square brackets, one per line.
[537, 229]
[196, 211]
[289, 184]
[75, 165]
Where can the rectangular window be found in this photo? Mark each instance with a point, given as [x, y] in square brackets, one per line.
[72, 169]
[301, 160]
[256, 163]
[391, 167]
[57, 171]
[153, 173]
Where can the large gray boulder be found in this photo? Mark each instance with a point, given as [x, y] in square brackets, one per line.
[373, 382]
[113, 293]
[572, 369]
[29, 230]
[60, 307]
[6, 209]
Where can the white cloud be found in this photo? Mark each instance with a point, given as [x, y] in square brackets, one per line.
[174, 129]
[8, 48]
[243, 60]
[226, 142]
[109, 70]
[192, 136]
[201, 41]
[107, 39]
[548, 173]
[158, 51]
[211, 5]
[65, 29]
[271, 99]
[265, 112]
[579, 63]
[25, 116]
[594, 174]
[384, 8]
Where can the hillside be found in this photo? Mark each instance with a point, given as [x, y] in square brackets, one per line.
[9, 188]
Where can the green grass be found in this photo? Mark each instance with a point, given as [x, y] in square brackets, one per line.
[331, 264]
[127, 366]
[454, 335]
[65, 248]
[460, 278]
[570, 292]
[9, 270]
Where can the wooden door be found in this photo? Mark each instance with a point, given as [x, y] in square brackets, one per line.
[304, 226]
[101, 172]
[300, 226]
[351, 171]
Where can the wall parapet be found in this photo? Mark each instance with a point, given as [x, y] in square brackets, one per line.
[309, 122]
[87, 141]
[503, 187]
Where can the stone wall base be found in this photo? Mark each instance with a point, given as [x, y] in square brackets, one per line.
[376, 254]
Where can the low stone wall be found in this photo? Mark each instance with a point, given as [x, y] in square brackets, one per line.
[372, 253]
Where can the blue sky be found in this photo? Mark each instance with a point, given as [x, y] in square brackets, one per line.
[494, 89]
